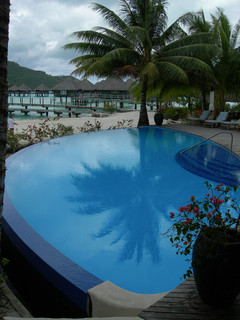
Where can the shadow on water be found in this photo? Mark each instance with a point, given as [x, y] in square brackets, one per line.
[131, 195]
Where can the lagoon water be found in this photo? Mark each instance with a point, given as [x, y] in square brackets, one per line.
[103, 200]
[55, 103]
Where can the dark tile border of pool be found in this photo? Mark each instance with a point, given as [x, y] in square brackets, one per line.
[69, 278]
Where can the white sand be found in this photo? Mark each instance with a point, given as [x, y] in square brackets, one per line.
[106, 122]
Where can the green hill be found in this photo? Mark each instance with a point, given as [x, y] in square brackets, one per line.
[18, 75]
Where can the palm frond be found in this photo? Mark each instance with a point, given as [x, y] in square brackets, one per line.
[111, 18]
[151, 70]
[200, 51]
[235, 35]
[189, 64]
[170, 71]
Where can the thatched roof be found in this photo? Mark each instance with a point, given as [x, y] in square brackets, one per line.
[13, 88]
[112, 84]
[41, 87]
[69, 84]
[86, 85]
[128, 83]
[73, 84]
[23, 87]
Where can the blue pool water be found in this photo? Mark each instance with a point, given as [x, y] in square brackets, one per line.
[103, 200]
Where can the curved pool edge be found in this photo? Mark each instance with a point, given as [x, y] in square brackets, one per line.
[66, 276]
[36, 249]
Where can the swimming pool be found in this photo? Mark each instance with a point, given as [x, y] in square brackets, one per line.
[92, 207]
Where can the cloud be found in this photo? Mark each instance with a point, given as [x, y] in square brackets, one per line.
[39, 29]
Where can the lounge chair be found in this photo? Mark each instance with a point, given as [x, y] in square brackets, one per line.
[229, 124]
[205, 114]
[222, 117]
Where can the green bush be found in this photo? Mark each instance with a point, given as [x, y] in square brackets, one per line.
[14, 142]
[175, 113]
[108, 108]
[183, 113]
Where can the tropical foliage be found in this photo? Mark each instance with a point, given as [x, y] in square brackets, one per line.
[218, 212]
[138, 44]
[226, 62]
[226, 65]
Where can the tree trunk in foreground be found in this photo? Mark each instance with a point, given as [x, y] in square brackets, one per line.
[143, 117]
[4, 23]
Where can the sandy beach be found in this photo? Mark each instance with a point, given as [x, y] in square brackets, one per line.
[106, 121]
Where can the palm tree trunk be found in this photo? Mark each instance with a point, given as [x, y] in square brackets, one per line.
[4, 18]
[204, 100]
[143, 117]
[221, 100]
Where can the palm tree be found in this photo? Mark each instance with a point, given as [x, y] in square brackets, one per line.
[227, 62]
[4, 18]
[197, 23]
[139, 45]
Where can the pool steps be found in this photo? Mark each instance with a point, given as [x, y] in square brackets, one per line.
[211, 162]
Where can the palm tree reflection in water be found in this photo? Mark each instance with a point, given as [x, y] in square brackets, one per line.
[131, 195]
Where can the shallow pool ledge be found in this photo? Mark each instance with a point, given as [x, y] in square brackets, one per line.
[109, 300]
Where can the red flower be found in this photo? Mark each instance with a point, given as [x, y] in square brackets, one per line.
[182, 209]
[208, 215]
[171, 215]
[195, 210]
[192, 198]
[188, 220]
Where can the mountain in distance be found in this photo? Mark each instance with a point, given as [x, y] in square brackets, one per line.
[18, 75]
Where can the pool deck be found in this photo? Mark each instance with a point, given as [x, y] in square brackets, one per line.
[185, 303]
[224, 138]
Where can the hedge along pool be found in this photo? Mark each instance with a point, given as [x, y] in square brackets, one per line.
[102, 200]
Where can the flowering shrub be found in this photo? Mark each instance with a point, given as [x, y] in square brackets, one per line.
[44, 131]
[90, 127]
[122, 124]
[50, 129]
[218, 210]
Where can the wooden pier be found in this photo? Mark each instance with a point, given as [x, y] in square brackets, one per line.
[69, 110]
[184, 303]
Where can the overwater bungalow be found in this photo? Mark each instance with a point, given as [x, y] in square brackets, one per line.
[24, 90]
[113, 88]
[67, 88]
[42, 90]
[13, 90]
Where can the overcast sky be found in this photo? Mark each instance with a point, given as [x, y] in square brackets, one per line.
[39, 29]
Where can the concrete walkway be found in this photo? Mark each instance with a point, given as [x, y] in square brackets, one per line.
[224, 138]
